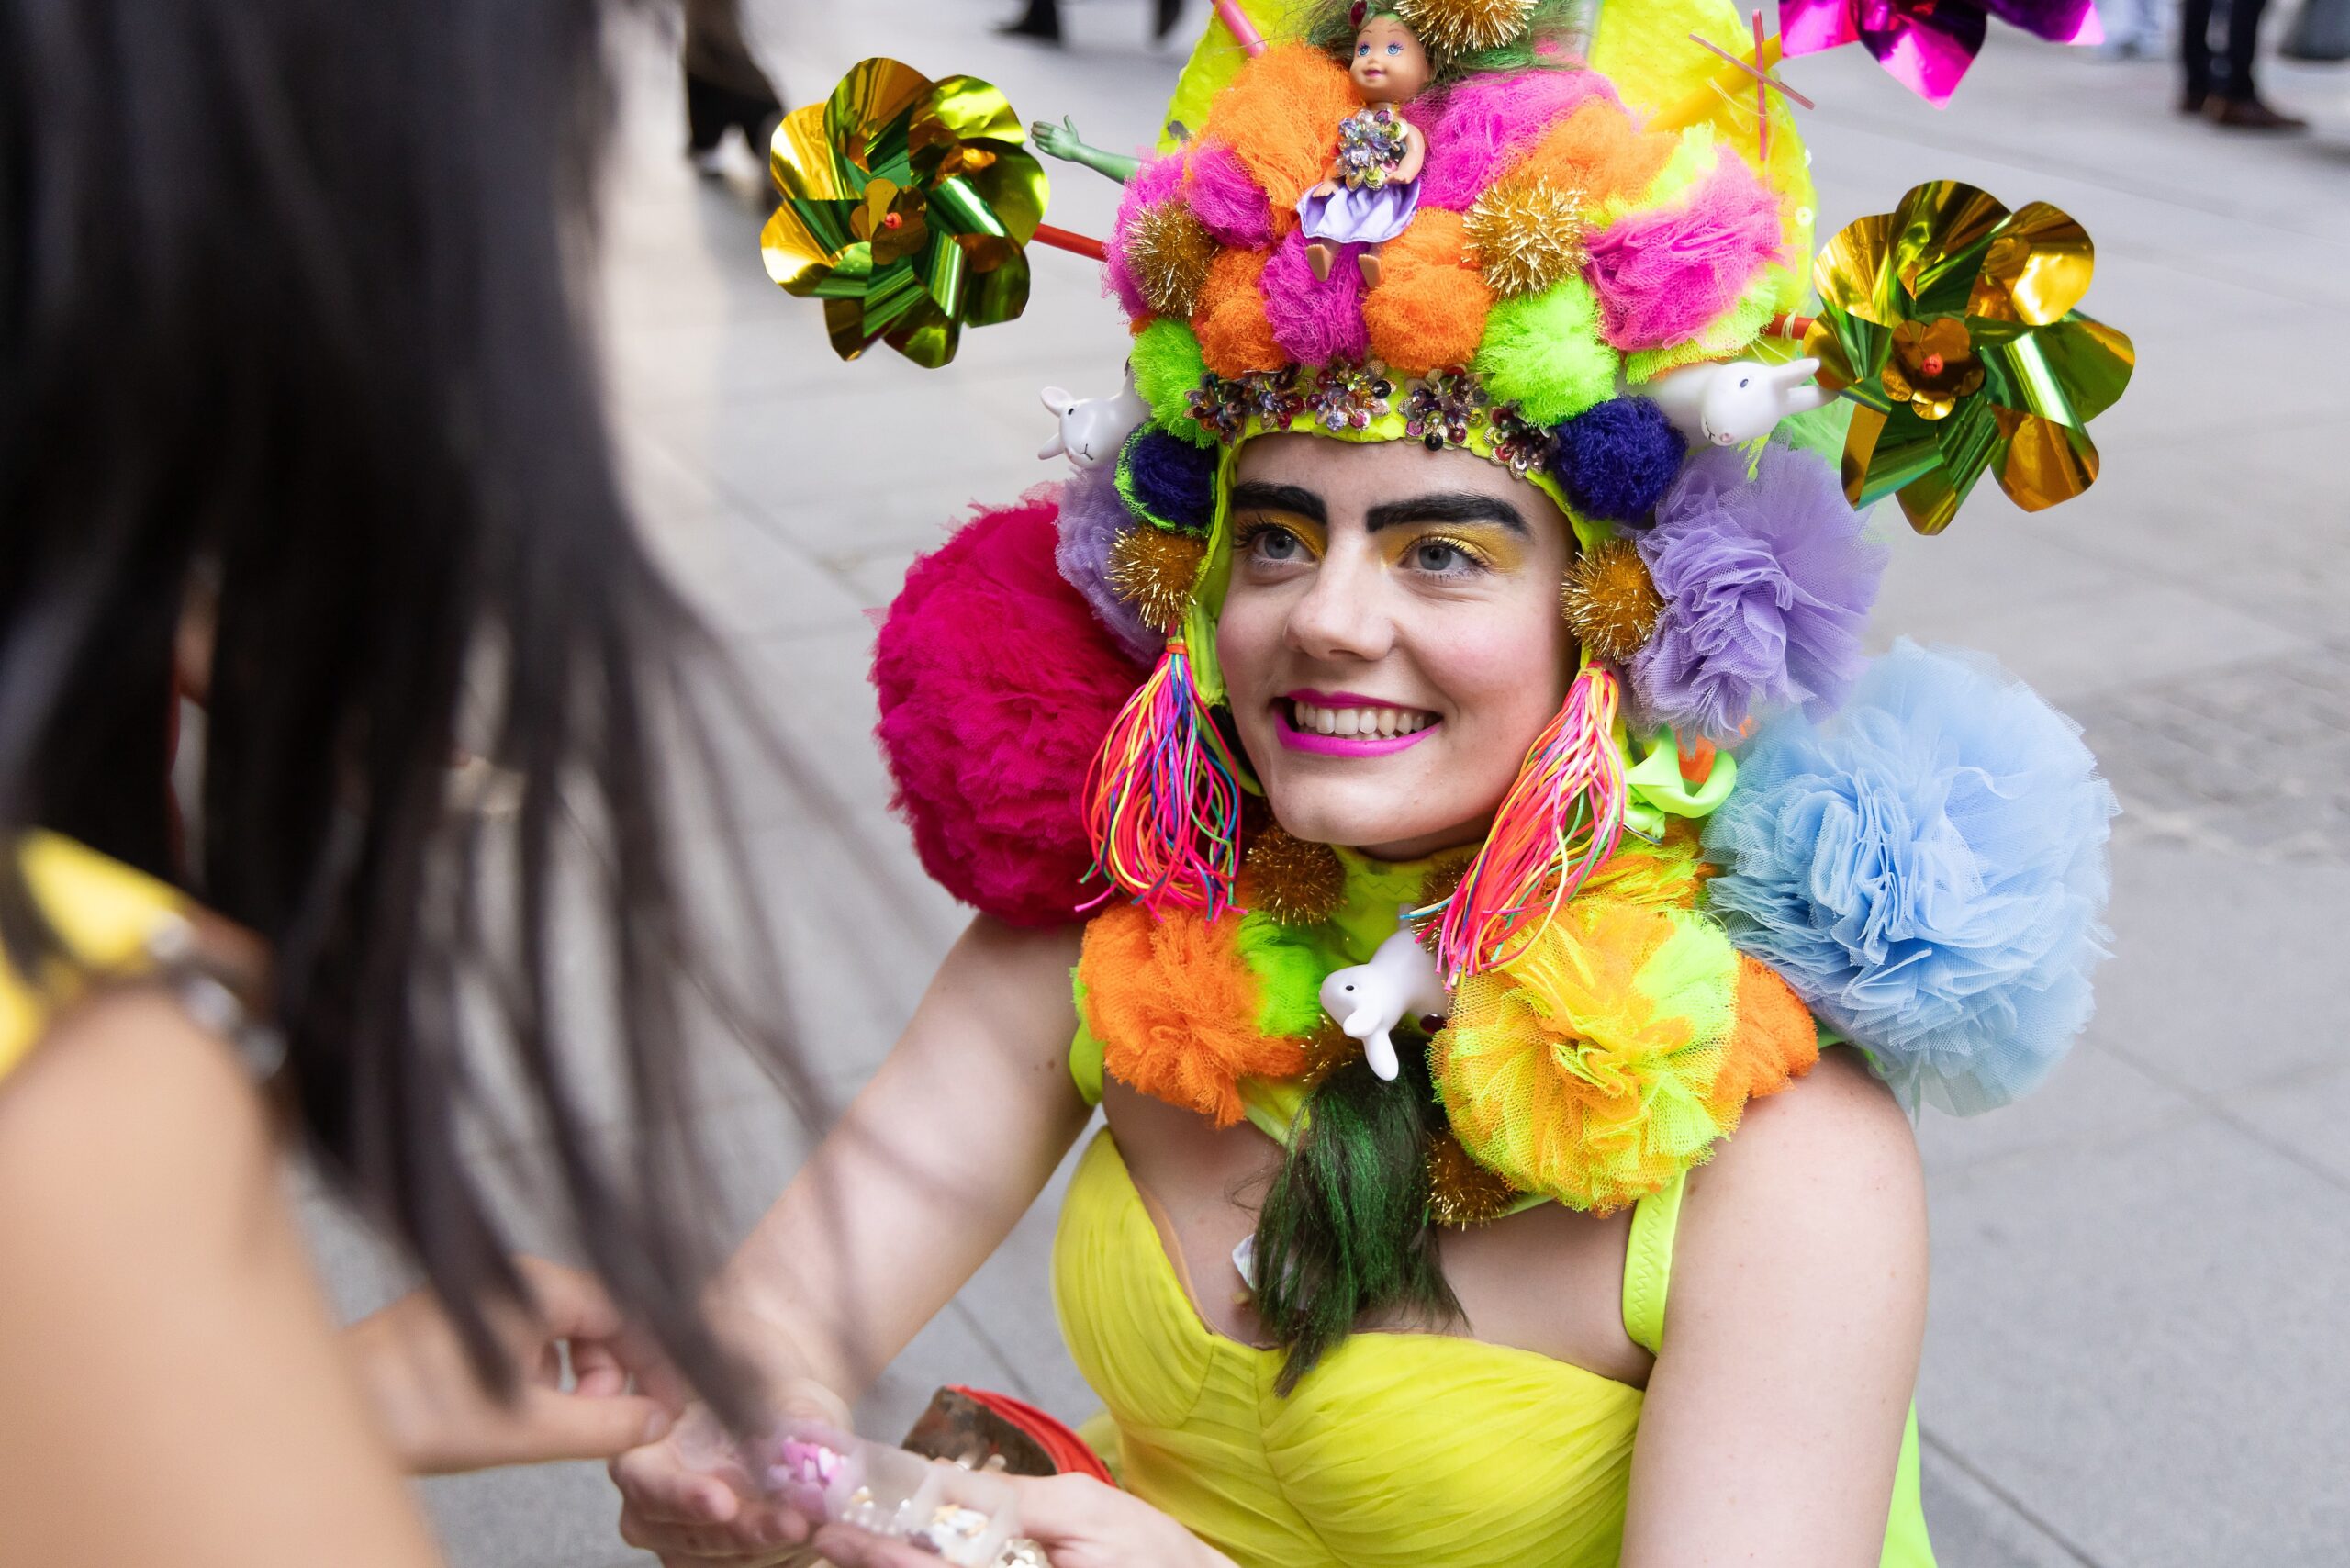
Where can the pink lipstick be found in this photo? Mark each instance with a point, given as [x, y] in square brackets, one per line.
[1316, 743]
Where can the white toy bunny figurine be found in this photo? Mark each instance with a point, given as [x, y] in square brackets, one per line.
[1093, 429]
[1729, 405]
[1401, 982]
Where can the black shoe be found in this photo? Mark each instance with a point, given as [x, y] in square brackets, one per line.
[2191, 101]
[1041, 21]
[710, 109]
[2250, 114]
[1170, 13]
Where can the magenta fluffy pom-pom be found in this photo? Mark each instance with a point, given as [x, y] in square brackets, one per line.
[1478, 127]
[1157, 181]
[996, 686]
[1314, 319]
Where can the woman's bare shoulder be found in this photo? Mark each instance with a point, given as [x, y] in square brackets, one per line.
[127, 1081]
[1826, 1166]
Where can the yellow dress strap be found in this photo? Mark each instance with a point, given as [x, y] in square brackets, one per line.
[1648, 1264]
[110, 918]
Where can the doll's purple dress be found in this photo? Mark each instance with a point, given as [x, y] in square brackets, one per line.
[1371, 205]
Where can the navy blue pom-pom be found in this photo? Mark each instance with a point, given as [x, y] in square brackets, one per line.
[1616, 458]
[1167, 481]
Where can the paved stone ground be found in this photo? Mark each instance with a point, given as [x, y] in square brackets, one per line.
[2135, 1358]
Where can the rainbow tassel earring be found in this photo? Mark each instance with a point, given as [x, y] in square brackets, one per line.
[1558, 824]
[1162, 798]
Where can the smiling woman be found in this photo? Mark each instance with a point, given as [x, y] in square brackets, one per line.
[1478, 1186]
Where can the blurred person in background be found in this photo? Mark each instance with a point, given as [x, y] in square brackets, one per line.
[725, 88]
[1042, 20]
[2226, 96]
[287, 291]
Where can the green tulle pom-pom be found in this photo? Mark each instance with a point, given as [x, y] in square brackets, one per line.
[1168, 367]
[1543, 352]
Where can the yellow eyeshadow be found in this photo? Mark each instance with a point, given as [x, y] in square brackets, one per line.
[1309, 532]
[1492, 545]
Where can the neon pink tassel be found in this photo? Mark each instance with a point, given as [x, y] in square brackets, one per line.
[1162, 801]
[1558, 824]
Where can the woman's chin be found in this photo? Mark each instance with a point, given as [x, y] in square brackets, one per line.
[1361, 814]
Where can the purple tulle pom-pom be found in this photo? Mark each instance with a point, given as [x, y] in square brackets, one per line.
[1091, 518]
[1767, 582]
[1168, 481]
[1616, 459]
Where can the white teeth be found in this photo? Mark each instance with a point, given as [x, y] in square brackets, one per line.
[1383, 723]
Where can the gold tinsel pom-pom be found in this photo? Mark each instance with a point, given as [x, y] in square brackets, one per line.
[1169, 250]
[1527, 235]
[1327, 1050]
[1294, 881]
[1610, 602]
[1460, 1190]
[1463, 27]
[1153, 569]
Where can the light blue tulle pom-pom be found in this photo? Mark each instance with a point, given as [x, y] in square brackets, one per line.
[1926, 869]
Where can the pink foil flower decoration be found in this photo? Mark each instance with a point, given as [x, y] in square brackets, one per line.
[1928, 44]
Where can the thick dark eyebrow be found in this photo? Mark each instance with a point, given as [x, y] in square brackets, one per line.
[1447, 506]
[1252, 496]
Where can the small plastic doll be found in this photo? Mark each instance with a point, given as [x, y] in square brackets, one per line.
[1374, 182]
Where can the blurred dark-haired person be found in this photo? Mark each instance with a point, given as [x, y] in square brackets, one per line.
[288, 309]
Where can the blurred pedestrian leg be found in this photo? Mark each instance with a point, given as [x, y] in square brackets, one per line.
[2230, 99]
[1041, 21]
[725, 86]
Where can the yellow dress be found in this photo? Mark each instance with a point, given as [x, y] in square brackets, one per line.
[110, 918]
[1399, 1450]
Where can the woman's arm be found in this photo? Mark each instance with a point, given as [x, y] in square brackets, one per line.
[1772, 1421]
[925, 1174]
[932, 1164]
[439, 1418]
[175, 1392]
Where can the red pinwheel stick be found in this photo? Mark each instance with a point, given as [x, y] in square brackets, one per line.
[1075, 244]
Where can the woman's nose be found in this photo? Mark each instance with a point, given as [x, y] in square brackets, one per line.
[1340, 617]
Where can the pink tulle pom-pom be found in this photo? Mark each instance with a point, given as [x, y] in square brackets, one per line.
[996, 686]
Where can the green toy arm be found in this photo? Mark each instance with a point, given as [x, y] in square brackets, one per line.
[1061, 142]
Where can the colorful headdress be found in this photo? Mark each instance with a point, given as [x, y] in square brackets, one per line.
[1593, 267]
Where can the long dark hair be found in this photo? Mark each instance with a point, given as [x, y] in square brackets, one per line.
[289, 297]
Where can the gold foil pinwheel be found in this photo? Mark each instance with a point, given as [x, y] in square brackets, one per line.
[906, 207]
[1950, 321]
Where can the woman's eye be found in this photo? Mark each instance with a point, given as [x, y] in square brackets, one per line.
[1436, 555]
[1276, 545]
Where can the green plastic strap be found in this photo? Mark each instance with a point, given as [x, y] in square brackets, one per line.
[1657, 790]
[1648, 1264]
[1084, 1050]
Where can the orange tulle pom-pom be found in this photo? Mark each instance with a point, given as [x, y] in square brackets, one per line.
[1229, 319]
[1173, 1004]
[1281, 115]
[1598, 152]
[1430, 307]
[1774, 1039]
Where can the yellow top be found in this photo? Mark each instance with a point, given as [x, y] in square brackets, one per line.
[109, 917]
[1419, 1451]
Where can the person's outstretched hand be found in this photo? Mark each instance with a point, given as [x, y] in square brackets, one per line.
[687, 1499]
[439, 1419]
[1080, 1522]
